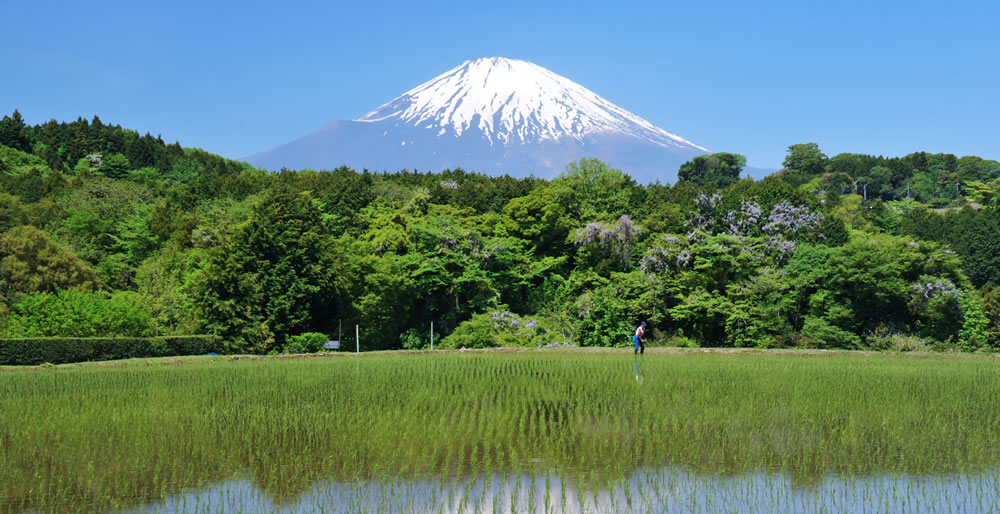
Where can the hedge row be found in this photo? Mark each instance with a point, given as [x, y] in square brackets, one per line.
[60, 350]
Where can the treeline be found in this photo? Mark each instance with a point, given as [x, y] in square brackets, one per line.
[104, 232]
[939, 180]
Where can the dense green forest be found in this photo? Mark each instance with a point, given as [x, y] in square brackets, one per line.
[106, 232]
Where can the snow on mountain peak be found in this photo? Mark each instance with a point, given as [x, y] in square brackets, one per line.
[496, 116]
[512, 101]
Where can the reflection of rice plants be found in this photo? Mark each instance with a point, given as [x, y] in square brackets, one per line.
[546, 430]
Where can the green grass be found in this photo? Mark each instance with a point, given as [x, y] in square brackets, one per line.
[96, 437]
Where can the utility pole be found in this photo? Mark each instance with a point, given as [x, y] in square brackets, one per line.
[432, 335]
[357, 340]
[864, 189]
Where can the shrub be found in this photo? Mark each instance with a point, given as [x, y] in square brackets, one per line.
[606, 322]
[974, 332]
[884, 339]
[414, 339]
[908, 344]
[477, 332]
[818, 333]
[308, 342]
[61, 350]
[680, 341]
[899, 343]
[498, 328]
[71, 313]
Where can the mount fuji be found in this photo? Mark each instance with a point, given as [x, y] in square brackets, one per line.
[495, 116]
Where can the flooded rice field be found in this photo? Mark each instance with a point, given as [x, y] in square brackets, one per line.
[545, 431]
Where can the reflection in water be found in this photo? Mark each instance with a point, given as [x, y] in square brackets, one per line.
[661, 490]
[639, 370]
[766, 431]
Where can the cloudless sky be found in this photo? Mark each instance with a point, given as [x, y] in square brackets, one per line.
[752, 77]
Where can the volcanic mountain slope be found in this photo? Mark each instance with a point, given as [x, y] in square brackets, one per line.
[495, 116]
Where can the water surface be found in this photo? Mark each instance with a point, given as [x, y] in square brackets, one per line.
[662, 490]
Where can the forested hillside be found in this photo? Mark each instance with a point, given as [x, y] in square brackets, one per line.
[106, 232]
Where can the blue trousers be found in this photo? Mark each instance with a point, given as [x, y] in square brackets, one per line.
[639, 345]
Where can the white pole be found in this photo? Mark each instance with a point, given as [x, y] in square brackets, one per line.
[432, 335]
[357, 340]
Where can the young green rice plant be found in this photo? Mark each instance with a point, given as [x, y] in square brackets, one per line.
[90, 437]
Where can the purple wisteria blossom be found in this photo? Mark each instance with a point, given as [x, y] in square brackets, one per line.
[933, 289]
[622, 231]
[627, 228]
[508, 321]
[703, 216]
[672, 255]
[708, 203]
[930, 288]
[617, 237]
[751, 211]
[784, 219]
[655, 262]
[781, 247]
[499, 318]
[743, 222]
[589, 234]
[787, 219]
[683, 258]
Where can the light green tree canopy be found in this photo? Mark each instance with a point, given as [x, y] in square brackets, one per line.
[30, 261]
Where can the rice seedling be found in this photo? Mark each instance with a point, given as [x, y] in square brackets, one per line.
[547, 431]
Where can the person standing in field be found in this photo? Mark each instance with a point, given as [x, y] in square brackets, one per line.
[640, 339]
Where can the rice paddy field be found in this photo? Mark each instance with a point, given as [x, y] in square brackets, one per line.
[532, 431]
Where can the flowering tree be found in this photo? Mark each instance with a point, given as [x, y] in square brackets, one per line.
[617, 238]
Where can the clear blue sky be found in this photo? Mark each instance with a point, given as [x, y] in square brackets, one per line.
[236, 78]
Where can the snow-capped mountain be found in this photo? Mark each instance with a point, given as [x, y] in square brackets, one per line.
[492, 115]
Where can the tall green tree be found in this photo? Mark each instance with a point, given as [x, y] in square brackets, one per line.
[115, 165]
[717, 170]
[804, 162]
[603, 192]
[13, 132]
[545, 217]
[272, 278]
[11, 212]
